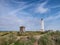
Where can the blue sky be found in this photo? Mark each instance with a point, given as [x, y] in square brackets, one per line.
[15, 13]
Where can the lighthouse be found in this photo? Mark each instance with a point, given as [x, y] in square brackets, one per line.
[42, 24]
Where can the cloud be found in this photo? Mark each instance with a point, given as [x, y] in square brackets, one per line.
[40, 7]
[55, 6]
[9, 19]
[52, 22]
[16, 1]
[12, 22]
[52, 25]
[42, 10]
[12, 17]
[58, 6]
[57, 15]
[21, 8]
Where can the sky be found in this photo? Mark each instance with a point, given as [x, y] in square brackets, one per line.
[16, 13]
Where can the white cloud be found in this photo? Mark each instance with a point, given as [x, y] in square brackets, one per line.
[57, 15]
[20, 2]
[10, 21]
[52, 22]
[40, 8]
[55, 6]
[20, 8]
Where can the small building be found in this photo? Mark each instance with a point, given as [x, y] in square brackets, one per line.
[22, 29]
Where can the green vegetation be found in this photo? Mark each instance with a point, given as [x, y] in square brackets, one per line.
[7, 39]
[27, 38]
[29, 41]
[50, 38]
[30, 33]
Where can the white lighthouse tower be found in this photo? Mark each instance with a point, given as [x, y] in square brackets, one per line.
[42, 24]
